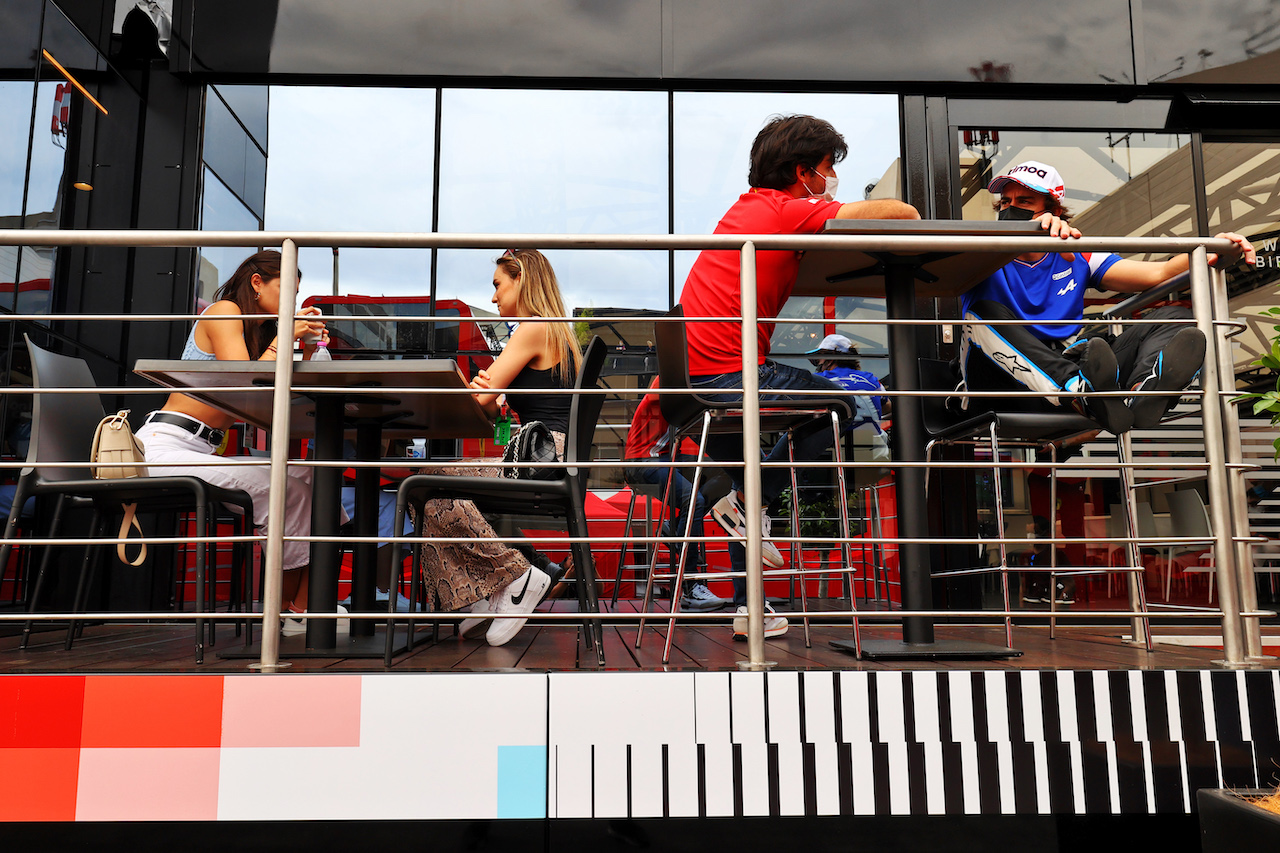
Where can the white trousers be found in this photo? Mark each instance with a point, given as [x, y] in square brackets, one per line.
[173, 447]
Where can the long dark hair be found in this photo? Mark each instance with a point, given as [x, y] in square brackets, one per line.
[239, 289]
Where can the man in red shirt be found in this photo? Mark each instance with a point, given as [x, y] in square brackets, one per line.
[793, 186]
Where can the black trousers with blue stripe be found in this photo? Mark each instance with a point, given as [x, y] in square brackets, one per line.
[1011, 358]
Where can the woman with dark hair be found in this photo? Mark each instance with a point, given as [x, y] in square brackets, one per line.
[186, 430]
[494, 577]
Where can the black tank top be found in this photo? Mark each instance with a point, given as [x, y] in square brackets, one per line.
[551, 409]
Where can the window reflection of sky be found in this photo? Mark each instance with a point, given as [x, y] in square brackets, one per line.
[15, 102]
[532, 161]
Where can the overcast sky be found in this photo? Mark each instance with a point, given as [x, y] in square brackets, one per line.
[519, 161]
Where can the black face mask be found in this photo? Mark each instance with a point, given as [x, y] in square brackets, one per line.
[1016, 214]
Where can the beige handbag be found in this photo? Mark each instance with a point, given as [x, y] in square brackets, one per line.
[118, 455]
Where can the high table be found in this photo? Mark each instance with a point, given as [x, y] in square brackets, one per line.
[344, 404]
[899, 279]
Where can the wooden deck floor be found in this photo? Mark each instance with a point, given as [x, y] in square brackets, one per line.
[168, 648]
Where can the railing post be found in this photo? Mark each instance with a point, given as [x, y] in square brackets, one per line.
[273, 582]
[1236, 483]
[751, 488]
[1220, 514]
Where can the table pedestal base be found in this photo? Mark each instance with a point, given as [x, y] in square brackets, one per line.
[347, 646]
[937, 650]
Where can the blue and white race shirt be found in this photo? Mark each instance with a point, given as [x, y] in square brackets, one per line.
[1050, 289]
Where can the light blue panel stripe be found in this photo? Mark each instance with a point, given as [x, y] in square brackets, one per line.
[522, 781]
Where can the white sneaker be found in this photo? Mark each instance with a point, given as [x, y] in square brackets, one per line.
[520, 596]
[293, 627]
[728, 514]
[774, 626]
[700, 599]
[469, 628]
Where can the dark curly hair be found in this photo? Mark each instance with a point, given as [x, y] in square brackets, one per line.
[787, 141]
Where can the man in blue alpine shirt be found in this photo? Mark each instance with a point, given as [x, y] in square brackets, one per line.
[1039, 287]
[793, 182]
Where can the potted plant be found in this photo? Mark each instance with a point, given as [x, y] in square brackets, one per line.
[1239, 821]
[1268, 401]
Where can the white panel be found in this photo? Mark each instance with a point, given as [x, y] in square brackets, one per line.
[960, 691]
[790, 777]
[934, 792]
[969, 771]
[642, 707]
[1077, 776]
[610, 782]
[746, 692]
[826, 765]
[1102, 705]
[924, 691]
[784, 707]
[1182, 766]
[574, 797]
[997, 706]
[682, 780]
[899, 780]
[646, 781]
[470, 707]
[1206, 699]
[819, 707]
[719, 764]
[1149, 776]
[855, 715]
[1067, 719]
[1032, 707]
[1138, 707]
[864, 791]
[1004, 766]
[1042, 777]
[1113, 776]
[889, 706]
[755, 777]
[712, 702]
[1175, 711]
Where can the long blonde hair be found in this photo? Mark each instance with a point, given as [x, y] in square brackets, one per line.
[538, 295]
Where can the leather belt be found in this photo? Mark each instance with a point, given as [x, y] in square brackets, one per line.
[191, 425]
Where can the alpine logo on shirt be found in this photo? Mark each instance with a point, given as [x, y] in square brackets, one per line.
[1070, 287]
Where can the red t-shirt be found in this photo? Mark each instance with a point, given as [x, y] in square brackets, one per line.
[711, 290]
[648, 427]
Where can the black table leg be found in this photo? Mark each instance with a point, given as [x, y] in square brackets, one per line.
[326, 512]
[365, 557]
[908, 446]
[914, 566]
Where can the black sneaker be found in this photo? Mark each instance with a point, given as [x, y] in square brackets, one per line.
[1175, 368]
[1099, 371]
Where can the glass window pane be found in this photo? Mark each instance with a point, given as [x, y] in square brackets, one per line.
[714, 132]
[353, 159]
[560, 162]
[1117, 183]
[1241, 186]
[221, 211]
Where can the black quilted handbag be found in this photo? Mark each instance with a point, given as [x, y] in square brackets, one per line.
[532, 443]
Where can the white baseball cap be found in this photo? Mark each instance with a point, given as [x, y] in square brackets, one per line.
[1037, 177]
[834, 343]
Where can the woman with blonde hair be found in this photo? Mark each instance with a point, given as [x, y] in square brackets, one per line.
[493, 577]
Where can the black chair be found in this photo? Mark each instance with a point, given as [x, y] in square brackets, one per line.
[62, 429]
[694, 413]
[560, 498]
[1045, 431]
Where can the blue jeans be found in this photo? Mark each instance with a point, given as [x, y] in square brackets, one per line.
[810, 443]
[677, 503]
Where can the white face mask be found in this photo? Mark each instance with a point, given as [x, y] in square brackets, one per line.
[829, 188]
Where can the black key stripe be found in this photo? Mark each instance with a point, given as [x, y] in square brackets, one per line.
[952, 777]
[1086, 710]
[1156, 706]
[1261, 697]
[1016, 707]
[1191, 708]
[1050, 708]
[1225, 687]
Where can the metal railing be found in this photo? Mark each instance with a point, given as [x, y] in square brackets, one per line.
[1224, 466]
